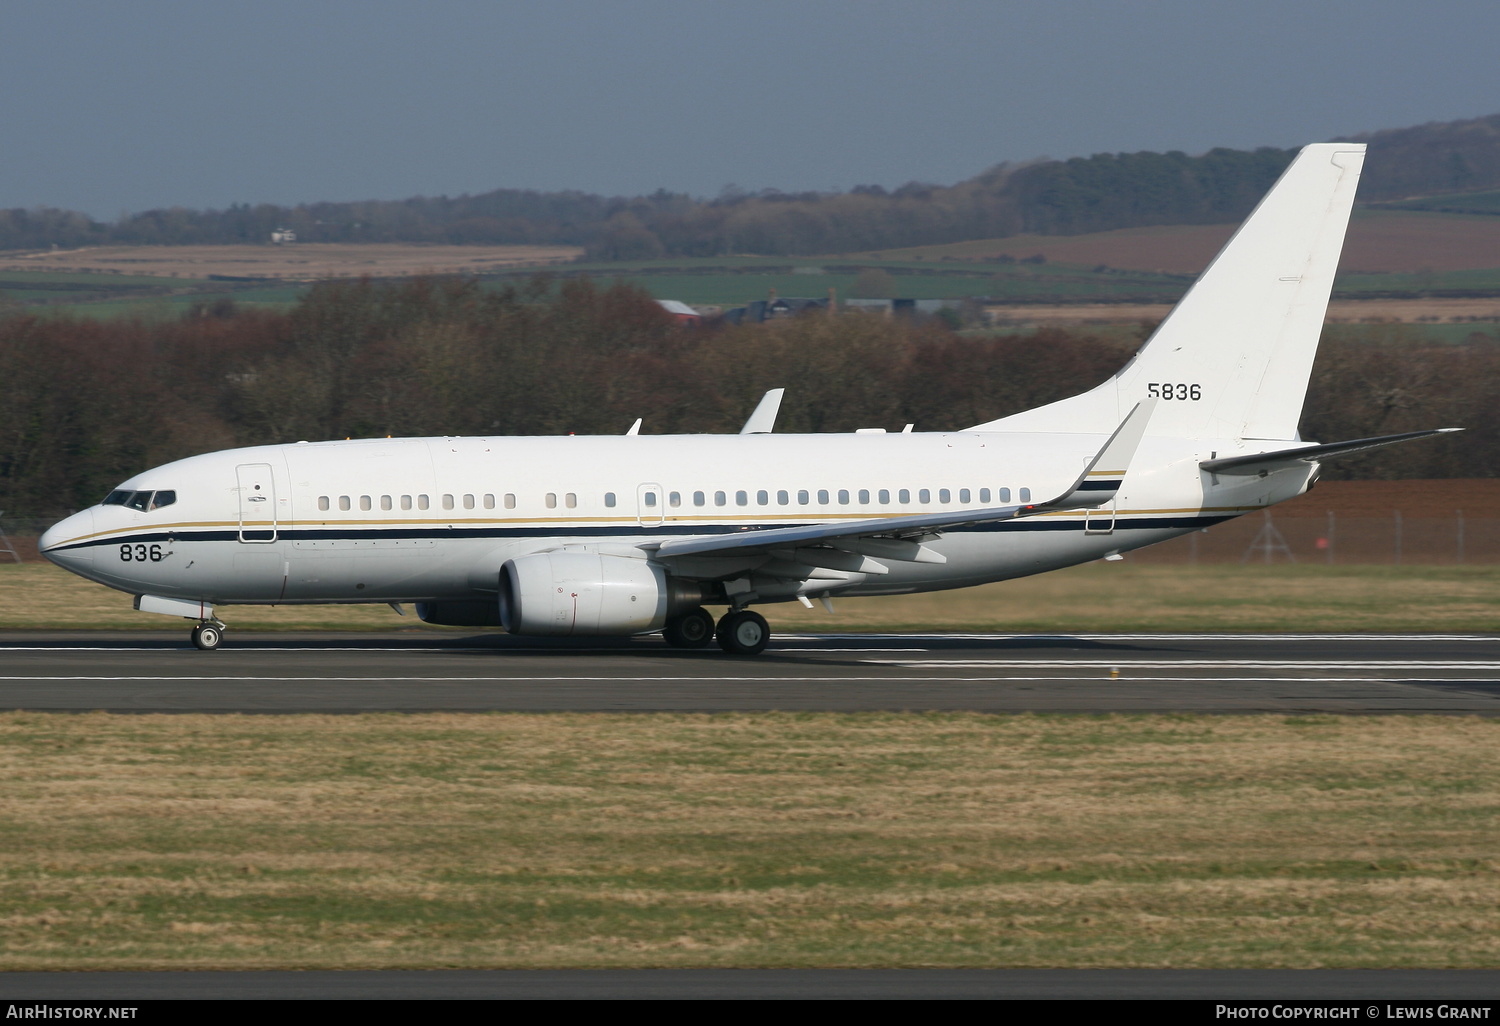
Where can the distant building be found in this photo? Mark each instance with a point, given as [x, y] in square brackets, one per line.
[903, 307]
[681, 311]
[778, 308]
[281, 236]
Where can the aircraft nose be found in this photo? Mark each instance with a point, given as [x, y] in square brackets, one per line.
[54, 543]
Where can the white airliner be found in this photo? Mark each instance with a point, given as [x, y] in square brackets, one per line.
[632, 534]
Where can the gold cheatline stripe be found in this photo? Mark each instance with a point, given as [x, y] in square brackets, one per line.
[825, 518]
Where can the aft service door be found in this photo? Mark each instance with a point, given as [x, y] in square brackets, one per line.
[257, 491]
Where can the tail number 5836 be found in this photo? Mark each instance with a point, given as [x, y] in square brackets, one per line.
[1174, 390]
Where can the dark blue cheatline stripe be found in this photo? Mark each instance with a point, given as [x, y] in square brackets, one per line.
[1099, 486]
[1027, 524]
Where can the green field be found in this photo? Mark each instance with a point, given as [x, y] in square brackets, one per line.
[802, 840]
[120, 295]
[1095, 597]
[734, 281]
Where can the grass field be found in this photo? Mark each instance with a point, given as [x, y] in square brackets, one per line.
[508, 840]
[1096, 597]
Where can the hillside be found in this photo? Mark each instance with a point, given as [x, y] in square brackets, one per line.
[1102, 192]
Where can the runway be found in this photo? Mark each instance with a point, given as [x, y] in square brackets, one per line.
[428, 671]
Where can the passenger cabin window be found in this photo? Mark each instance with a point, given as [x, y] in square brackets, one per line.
[364, 502]
[763, 498]
[944, 495]
[406, 502]
[924, 496]
[510, 500]
[864, 495]
[323, 502]
[1025, 494]
[719, 499]
[885, 496]
[385, 502]
[344, 502]
[699, 499]
[447, 502]
[783, 499]
[843, 496]
[468, 502]
[649, 499]
[822, 496]
[551, 500]
[571, 500]
[609, 499]
[489, 501]
[1005, 495]
[904, 495]
[674, 499]
[742, 498]
[963, 495]
[803, 498]
[984, 495]
[421, 502]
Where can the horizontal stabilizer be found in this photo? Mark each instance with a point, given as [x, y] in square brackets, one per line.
[1269, 461]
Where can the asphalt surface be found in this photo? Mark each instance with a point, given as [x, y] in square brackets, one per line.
[417, 671]
[421, 671]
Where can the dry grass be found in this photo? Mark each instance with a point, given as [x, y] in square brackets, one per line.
[1097, 597]
[299, 261]
[747, 840]
[1389, 241]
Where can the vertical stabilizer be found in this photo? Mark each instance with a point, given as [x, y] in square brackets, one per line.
[1233, 358]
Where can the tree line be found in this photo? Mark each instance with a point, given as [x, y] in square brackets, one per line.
[85, 404]
[1085, 194]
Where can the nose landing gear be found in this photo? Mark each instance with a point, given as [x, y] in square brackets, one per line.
[208, 635]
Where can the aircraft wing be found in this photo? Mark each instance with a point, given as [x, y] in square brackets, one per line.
[1268, 461]
[824, 545]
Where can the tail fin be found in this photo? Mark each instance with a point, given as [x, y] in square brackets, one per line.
[1232, 359]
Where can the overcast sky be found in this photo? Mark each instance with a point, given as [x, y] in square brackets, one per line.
[113, 106]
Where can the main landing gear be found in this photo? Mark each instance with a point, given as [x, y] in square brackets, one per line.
[740, 632]
[743, 633]
[208, 635]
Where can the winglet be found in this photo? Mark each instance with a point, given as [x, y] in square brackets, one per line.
[764, 418]
[1101, 479]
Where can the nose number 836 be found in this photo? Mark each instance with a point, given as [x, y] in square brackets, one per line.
[139, 553]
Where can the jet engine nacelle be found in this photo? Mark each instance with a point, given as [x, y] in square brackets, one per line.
[581, 593]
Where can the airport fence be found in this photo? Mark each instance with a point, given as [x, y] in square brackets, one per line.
[1332, 539]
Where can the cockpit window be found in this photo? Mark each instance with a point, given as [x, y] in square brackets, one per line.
[143, 501]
